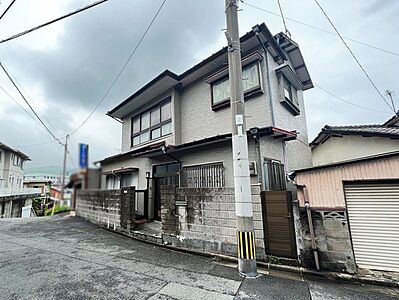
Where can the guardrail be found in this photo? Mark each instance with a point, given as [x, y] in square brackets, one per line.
[21, 191]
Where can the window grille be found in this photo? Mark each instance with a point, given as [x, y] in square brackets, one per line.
[275, 179]
[207, 175]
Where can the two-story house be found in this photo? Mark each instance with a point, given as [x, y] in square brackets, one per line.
[11, 167]
[176, 130]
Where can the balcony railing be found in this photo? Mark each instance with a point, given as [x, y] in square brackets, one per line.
[19, 191]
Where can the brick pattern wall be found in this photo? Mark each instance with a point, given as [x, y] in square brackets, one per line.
[111, 208]
[204, 219]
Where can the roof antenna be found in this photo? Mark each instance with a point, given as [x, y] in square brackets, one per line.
[287, 32]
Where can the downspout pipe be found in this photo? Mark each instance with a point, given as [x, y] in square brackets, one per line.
[165, 151]
[255, 135]
[311, 227]
[256, 30]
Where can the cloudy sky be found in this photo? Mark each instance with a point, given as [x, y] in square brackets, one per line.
[66, 68]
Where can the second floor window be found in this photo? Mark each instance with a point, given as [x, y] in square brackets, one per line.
[289, 91]
[152, 123]
[250, 82]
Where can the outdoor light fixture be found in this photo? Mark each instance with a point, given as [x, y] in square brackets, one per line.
[147, 175]
[254, 131]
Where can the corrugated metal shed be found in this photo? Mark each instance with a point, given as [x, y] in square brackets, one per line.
[325, 184]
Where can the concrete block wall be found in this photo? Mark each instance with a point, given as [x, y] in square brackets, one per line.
[109, 208]
[204, 219]
[333, 242]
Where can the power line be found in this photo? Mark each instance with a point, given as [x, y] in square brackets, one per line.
[34, 145]
[15, 100]
[320, 29]
[123, 68]
[27, 102]
[8, 7]
[346, 101]
[355, 58]
[30, 99]
[282, 16]
[53, 21]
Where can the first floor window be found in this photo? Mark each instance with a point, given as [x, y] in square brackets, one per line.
[275, 179]
[206, 175]
[112, 182]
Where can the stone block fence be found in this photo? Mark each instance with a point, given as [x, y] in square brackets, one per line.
[332, 238]
[113, 209]
[204, 219]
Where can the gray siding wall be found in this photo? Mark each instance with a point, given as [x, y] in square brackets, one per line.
[201, 121]
[298, 152]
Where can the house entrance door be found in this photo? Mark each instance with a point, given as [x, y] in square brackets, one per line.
[164, 175]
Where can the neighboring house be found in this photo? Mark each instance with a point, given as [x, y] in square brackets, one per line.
[11, 167]
[13, 197]
[338, 143]
[353, 191]
[176, 130]
[43, 184]
[43, 177]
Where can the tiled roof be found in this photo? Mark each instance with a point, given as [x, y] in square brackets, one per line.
[364, 130]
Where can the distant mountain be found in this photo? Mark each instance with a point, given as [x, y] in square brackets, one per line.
[46, 170]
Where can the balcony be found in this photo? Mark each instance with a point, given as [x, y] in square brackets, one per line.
[6, 192]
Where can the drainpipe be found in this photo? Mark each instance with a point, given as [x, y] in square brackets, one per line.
[269, 90]
[164, 150]
[311, 228]
[255, 135]
[112, 172]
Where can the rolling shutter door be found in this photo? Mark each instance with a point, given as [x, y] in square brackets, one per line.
[373, 211]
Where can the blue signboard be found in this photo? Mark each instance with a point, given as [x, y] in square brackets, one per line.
[83, 155]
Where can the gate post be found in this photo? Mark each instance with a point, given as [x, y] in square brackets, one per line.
[128, 208]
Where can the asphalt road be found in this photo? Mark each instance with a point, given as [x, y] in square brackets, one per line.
[63, 257]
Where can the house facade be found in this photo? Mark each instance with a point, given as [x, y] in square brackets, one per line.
[176, 130]
[339, 143]
[11, 167]
[353, 193]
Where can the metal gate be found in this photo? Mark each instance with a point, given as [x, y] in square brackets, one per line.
[373, 211]
[278, 223]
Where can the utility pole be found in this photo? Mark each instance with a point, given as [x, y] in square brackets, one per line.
[242, 183]
[63, 171]
[64, 166]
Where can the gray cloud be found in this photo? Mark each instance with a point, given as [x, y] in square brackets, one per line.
[92, 47]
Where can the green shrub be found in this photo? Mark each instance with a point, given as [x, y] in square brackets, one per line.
[57, 210]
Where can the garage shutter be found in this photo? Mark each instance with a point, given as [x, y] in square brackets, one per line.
[373, 211]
